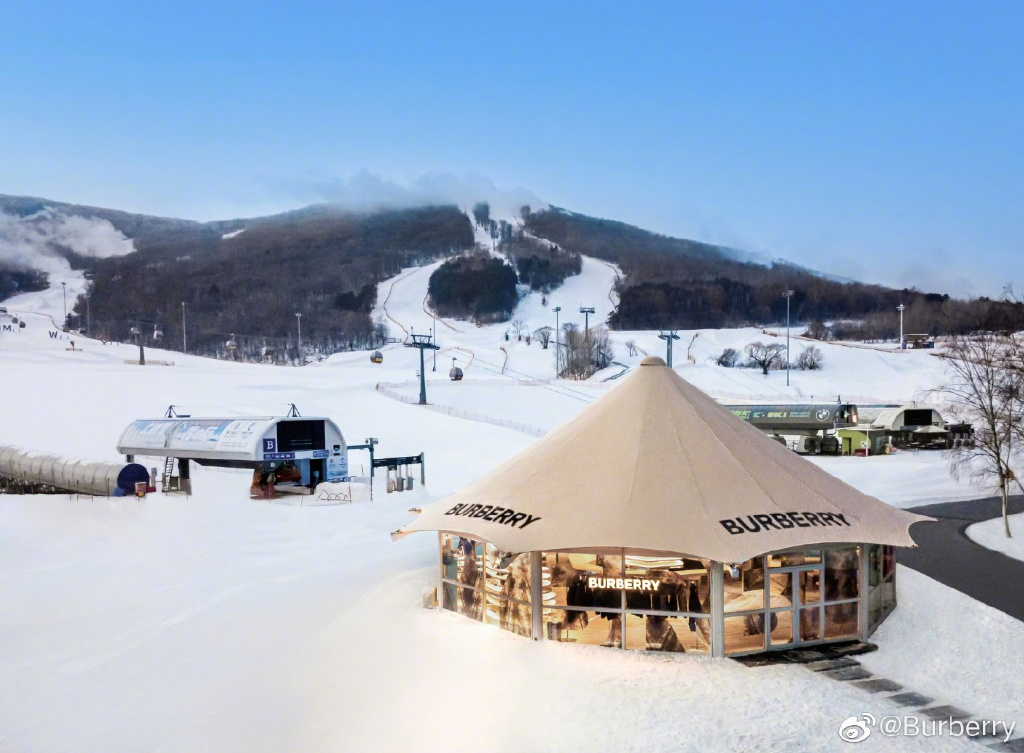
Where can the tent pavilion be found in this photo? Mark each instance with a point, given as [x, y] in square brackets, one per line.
[657, 520]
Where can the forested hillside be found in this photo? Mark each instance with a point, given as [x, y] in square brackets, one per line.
[249, 278]
[674, 283]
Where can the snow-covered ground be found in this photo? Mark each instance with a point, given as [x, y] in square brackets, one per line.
[991, 534]
[216, 622]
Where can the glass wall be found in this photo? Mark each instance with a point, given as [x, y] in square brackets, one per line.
[777, 600]
[881, 584]
[788, 598]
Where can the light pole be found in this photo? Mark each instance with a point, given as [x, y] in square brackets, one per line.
[788, 294]
[64, 287]
[433, 337]
[901, 308]
[558, 353]
[184, 335]
[298, 318]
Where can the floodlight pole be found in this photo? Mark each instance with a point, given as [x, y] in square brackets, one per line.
[433, 335]
[788, 294]
[668, 337]
[298, 317]
[558, 353]
[901, 308]
[64, 287]
[184, 336]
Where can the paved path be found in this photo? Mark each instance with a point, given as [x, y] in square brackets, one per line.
[945, 554]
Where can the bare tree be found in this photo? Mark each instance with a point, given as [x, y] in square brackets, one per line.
[765, 356]
[543, 336]
[631, 347]
[986, 389]
[518, 325]
[810, 359]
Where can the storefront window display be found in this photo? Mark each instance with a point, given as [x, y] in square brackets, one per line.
[667, 603]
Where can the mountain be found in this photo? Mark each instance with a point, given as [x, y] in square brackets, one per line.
[249, 277]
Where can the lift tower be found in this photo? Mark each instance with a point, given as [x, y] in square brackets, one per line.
[422, 343]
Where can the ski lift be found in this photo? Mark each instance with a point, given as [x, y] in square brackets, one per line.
[456, 373]
[134, 332]
[158, 333]
[231, 344]
[377, 357]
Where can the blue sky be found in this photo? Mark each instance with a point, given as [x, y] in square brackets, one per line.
[881, 141]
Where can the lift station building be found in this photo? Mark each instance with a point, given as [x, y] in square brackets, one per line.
[315, 445]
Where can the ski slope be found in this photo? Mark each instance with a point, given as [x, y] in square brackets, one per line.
[216, 622]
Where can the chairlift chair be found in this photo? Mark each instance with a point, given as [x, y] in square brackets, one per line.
[377, 357]
[158, 333]
[231, 344]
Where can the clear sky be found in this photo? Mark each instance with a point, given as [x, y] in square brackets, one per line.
[881, 141]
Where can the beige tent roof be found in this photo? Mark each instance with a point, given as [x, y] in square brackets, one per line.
[657, 466]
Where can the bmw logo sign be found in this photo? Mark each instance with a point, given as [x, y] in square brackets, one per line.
[823, 414]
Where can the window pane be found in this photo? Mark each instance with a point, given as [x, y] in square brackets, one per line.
[743, 633]
[668, 585]
[782, 627]
[570, 575]
[781, 589]
[589, 628]
[669, 634]
[470, 603]
[450, 596]
[508, 573]
[509, 615]
[810, 586]
[744, 586]
[874, 565]
[462, 560]
[841, 576]
[841, 620]
[888, 560]
[810, 624]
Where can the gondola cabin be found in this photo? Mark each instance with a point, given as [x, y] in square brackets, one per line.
[377, 357]
[456, 373]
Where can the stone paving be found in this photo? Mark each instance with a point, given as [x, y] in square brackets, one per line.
[836, 663]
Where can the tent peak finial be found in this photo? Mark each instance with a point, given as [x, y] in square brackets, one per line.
[652, 361]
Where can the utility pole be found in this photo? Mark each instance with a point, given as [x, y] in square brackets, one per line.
[88, 313]
[422, 342]
[901, 308]
[558, 352]
[787, 295]
[668, 337]
[64, 287]
[433, 335]
[184, 336]
[586, 320]
[298, 318]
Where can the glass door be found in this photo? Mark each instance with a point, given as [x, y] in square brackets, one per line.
[794, 605]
